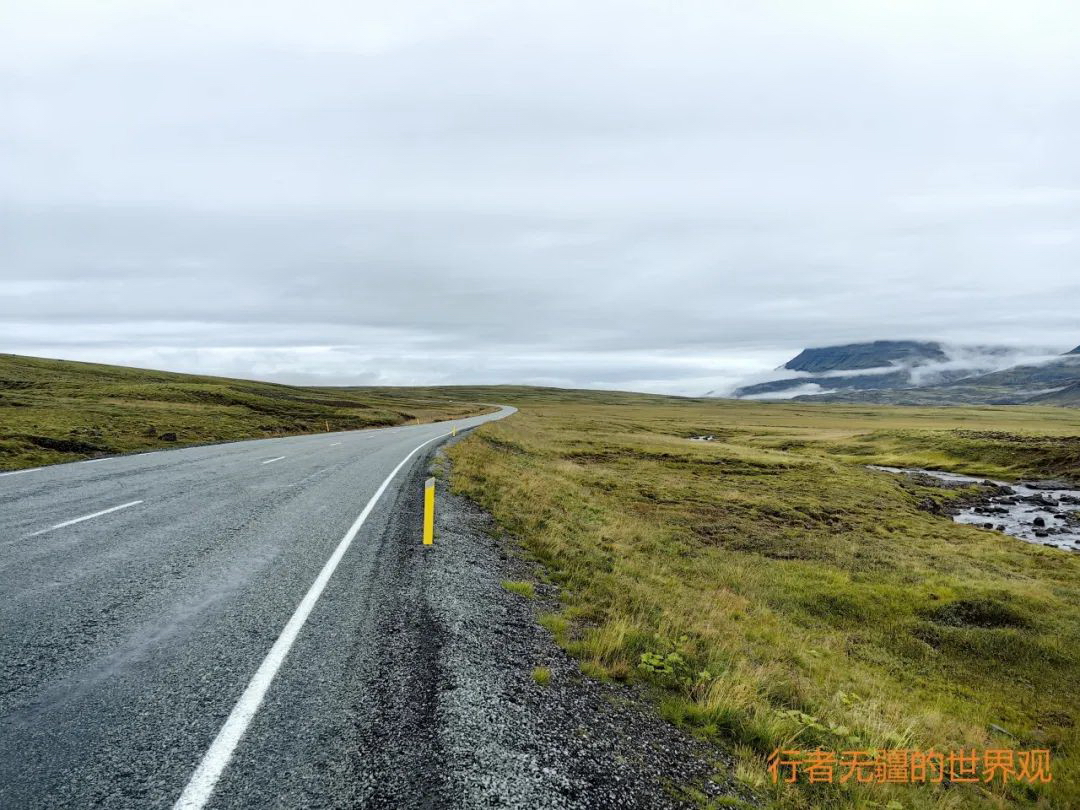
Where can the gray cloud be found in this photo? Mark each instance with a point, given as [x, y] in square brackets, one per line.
[604, 194]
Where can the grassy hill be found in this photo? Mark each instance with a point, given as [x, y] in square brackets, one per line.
[58, 410]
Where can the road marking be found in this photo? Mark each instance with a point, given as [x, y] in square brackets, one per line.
[272, 460]
[95, 460]
[429, 511]
[20, 472]
[85, 517]
[334, 444]
[201, 785]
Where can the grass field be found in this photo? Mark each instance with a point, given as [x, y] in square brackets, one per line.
[56, 410]
[770, 589]
[777, 593]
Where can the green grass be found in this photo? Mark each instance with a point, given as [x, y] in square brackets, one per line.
[768, 587]
[542, 676]
[525, 589]
[773, 591]
[56, 410]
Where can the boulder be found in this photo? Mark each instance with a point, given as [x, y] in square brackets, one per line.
[1046, 484]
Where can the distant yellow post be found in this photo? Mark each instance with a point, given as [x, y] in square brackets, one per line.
[429, 512]
[453, 430]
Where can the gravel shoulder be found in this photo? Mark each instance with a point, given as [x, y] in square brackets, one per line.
[507, 741]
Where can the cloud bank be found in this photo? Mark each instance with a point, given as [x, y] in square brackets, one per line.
[599, 194]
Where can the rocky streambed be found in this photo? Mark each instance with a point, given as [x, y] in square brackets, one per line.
[1043, 512]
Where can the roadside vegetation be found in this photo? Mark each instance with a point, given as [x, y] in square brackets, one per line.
[56, 410]
[526, 589]
[776, 593]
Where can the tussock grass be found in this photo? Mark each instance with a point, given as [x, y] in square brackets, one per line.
[542, 676]
[57, 410]
[775, 592]
[525, 589]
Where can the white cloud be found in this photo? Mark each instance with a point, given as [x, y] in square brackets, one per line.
[628, 194]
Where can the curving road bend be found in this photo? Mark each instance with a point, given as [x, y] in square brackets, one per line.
[142, 597]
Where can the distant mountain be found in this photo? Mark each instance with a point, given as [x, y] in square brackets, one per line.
[923, 373]
[1053, 382]
[881, 364]
[1069, 395]
[1063, 371]
[858, 356]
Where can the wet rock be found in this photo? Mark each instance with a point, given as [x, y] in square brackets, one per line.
[1024, 513]
[931, 506]
[1047, 484]
[1040, 500]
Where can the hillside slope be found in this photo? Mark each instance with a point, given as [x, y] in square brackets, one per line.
[1046, 383]
[880, 364]
[1070, 395]
[59, 410]
[908, 372]
[859, 356]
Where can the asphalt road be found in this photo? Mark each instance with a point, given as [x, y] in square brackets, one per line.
[160, 635]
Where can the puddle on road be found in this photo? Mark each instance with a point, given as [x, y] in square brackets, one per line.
[1035, 511]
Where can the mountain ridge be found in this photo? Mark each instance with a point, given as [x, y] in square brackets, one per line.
[919, 372]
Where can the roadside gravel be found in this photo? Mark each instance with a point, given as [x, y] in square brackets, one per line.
[507, 741]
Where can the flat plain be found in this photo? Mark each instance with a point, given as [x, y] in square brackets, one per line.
[774, 592]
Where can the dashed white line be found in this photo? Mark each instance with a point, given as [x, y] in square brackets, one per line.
[272, 460]
[86, 517]
[201, 785]
[95, 460]
[20, 472]
[334, 444]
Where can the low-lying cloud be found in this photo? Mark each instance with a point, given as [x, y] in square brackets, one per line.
[961, 362]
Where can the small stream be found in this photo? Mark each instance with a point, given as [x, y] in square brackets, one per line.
[1043, 512]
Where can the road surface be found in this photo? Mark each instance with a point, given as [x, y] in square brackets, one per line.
[204, 627]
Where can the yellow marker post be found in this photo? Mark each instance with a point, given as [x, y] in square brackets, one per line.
[429, 511]
[453, 430]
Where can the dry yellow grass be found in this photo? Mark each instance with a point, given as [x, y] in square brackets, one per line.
[796, 597]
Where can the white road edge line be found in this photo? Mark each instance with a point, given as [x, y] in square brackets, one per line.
[201, 785]
[20, 472]
[86, 517]
[272, 460]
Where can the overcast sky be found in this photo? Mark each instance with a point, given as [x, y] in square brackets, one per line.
[663, 196]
